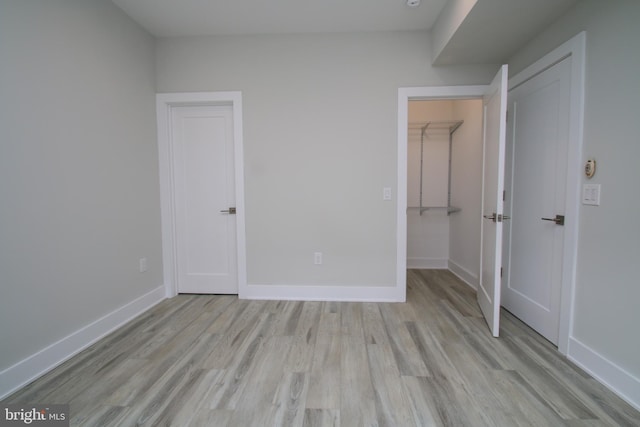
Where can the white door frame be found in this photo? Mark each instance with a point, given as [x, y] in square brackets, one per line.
[406, 94]
[164, 103]
[575, 49]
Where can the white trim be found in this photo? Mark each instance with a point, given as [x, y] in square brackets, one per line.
[36, 365]
[574, 48]
[463, 274]
[427, 263]
[621, 382]
[401, 192]
[325, 293]
[405, 94]
[164, 103]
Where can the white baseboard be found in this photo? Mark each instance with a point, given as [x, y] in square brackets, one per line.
[390, 293]
[36, 365]
[465, 275]
[427, 263]
[608, 373]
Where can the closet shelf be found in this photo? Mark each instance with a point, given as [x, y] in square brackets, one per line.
[449, 209]
[437, 127]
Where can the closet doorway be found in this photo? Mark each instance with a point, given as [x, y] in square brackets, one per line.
[493, 98]
[444, 185]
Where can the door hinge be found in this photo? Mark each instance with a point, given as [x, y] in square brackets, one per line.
[504, 195]
[501, 272]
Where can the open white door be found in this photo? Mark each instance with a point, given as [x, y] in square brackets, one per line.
[495, 121]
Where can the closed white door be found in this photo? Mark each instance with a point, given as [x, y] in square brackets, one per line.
[488, 292]
[204, 191]
[537, 144]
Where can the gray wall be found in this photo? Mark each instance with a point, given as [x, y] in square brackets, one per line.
[320, 140]
[466, 191]
[607, 290]
[78, 169]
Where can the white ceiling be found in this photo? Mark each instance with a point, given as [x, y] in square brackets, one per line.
[174, 18]
[491, 32]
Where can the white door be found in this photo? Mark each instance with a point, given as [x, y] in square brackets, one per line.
[203, 165]
[537, 146]
[488, 294]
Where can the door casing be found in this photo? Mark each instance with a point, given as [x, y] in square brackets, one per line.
[164, 103]
[406, 94]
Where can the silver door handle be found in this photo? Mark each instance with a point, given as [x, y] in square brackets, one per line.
[492, 217]
[230, 211]
[559, 219]
[497, 217]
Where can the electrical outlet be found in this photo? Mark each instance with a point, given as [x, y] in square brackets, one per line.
[317, 258]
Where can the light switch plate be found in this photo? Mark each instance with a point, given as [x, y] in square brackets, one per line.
[142, 265]
[386, 193]
[591, 194]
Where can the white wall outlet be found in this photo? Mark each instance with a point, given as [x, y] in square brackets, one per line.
[386, 193]
[591, 194]
[142, 265]
[317, 258]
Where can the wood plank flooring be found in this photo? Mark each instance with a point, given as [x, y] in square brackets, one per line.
[200, 360]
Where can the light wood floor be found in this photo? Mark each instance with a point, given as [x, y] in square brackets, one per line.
[221, 361]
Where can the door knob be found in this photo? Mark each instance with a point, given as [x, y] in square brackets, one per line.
[559, 219]
[230, 211]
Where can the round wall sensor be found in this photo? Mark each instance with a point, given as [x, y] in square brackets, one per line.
[413, 3]
[590, 168]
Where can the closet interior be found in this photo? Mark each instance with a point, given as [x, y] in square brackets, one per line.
[429, 131]
[444, 185]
